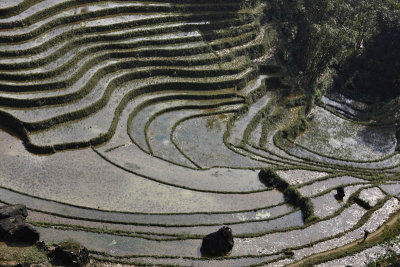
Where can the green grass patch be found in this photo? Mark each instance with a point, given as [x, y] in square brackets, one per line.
[21, 253]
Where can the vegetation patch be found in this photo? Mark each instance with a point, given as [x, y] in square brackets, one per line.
[270, 178]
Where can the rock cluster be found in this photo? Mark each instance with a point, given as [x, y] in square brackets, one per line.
[13, 226]
[70, 253]
[218, 243]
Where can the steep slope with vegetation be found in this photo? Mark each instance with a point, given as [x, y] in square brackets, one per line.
[352, 46]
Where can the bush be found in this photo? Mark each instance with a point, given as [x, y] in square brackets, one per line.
[271, 179]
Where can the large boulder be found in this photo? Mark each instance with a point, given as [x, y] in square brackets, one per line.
[340, 193]
[13, 226]
[25, 233]
[12, 211]
[218, 243]
[70, 253]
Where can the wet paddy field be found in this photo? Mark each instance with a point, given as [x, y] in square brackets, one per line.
[138, 127]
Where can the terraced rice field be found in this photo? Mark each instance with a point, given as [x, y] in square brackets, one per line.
[138, 127]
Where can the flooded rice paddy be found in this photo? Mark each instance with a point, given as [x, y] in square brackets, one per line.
[138, 128]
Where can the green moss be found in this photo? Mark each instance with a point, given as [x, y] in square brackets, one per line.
[71, 245]
[311, 219]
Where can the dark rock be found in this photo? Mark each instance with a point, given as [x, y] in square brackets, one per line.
[12, 211]
[13, 226]
[340, 193]
[24, 264]
[42, 245]
[25, 233]
[7, 225]
[218, 243]
[288, 252]
[70, 253]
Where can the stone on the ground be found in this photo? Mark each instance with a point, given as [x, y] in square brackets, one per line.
[12, 211]
[13, 226]
[26, 233]
[218, 243]
[70, 253]
[340, 193]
